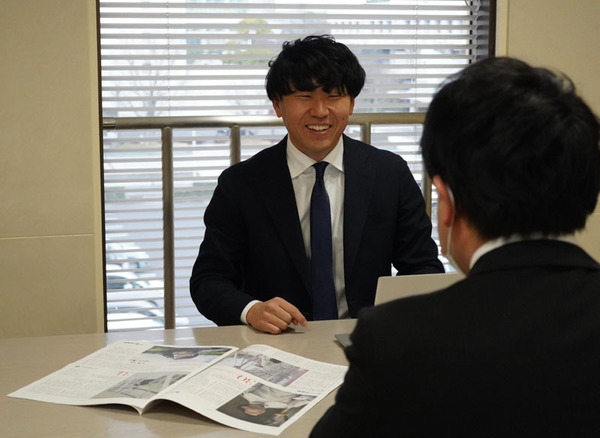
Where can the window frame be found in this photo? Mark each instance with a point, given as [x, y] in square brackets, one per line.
[235, 153]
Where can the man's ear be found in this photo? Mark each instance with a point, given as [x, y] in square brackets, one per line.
[446, 207]
[277, 107]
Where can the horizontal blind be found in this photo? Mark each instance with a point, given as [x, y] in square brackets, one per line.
[210, 58]
[167, 58]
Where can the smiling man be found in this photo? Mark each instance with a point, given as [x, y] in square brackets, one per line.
[302, 230]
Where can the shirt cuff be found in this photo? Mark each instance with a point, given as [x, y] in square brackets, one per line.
[246, 309]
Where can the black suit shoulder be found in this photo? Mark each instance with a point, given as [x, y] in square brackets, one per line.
[257, 166]
[386, 170]
[361, 151]
[510, 349]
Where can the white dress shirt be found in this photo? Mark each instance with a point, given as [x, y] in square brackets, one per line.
[303, 180]
[497, 243]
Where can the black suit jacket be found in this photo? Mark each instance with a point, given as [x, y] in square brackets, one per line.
[253, 247]
[513, 350]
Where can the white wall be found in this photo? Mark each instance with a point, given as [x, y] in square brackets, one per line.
[562, 35]
[50, 217]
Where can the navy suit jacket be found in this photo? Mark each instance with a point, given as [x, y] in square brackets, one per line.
[513, 350]
[253, 246]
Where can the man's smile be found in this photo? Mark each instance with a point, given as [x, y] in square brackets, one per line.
[318, 127]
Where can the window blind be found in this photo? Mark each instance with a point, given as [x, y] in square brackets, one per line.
[210, 58]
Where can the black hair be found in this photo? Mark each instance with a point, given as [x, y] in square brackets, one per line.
[517, 146]
[313, 62]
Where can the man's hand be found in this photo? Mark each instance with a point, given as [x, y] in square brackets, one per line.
[274, 316]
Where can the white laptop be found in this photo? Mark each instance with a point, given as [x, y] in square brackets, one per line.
[400, 286]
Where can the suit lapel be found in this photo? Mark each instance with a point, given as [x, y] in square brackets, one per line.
[277, 193]
[359, 182]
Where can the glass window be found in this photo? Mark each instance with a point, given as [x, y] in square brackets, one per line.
[205, 62]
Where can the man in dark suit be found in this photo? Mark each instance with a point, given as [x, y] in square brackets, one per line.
[254, 264]
[513, 350]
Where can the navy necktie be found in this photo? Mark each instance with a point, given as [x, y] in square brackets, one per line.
[321, 264]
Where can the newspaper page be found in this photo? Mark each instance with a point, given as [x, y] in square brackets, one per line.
[126, 372]
[258, 389]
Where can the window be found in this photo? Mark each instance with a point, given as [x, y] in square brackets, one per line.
[179, 59]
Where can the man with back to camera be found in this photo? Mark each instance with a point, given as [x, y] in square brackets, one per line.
[254, 264]
[513, 350]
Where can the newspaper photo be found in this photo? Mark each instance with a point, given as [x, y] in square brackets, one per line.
[259, 388]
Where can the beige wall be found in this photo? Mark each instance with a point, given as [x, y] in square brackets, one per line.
[562, 35]
[50, 229]
[50, 208]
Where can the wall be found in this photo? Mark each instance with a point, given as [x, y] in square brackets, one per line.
[50, 228]
[562, 35]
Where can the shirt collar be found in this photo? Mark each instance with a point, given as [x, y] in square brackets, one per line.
[298, 162]
[497, 243]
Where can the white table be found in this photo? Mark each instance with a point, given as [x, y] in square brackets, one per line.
[24, 360]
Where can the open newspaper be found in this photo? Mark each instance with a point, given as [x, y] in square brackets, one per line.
[259, 388]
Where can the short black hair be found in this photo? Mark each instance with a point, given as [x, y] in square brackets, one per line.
[517, 146]
[313, 62]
